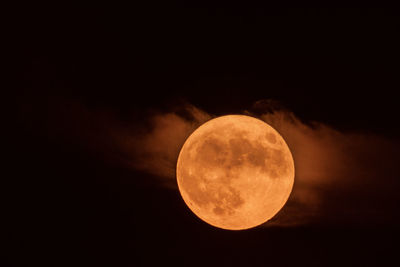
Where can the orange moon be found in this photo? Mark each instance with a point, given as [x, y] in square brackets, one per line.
[235, 172]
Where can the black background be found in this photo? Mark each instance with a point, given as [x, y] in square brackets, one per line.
[65, 206]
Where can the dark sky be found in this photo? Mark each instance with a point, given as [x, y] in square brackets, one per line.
[67, 203]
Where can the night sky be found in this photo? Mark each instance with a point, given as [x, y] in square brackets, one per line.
[107, 93]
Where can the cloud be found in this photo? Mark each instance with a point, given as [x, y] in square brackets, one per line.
[156, 150]
[337, 173]
[341, 177]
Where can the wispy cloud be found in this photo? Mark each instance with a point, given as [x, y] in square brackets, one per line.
[341, 177]
[156, 150]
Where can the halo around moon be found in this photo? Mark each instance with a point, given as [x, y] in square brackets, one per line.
[235, 172]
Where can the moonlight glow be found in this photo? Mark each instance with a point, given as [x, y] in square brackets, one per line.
[235, 172]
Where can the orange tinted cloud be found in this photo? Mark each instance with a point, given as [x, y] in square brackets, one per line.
[340, 176]
[337, 173]
[156, 150]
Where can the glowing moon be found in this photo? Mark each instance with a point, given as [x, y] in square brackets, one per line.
[235, 172]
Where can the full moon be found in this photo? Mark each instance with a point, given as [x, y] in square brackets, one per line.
[235, 172]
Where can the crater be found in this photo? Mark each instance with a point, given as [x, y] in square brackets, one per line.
[227, 200]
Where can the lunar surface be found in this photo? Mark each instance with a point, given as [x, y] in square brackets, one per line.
[235, 172]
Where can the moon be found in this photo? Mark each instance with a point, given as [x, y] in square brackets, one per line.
[235, 172]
